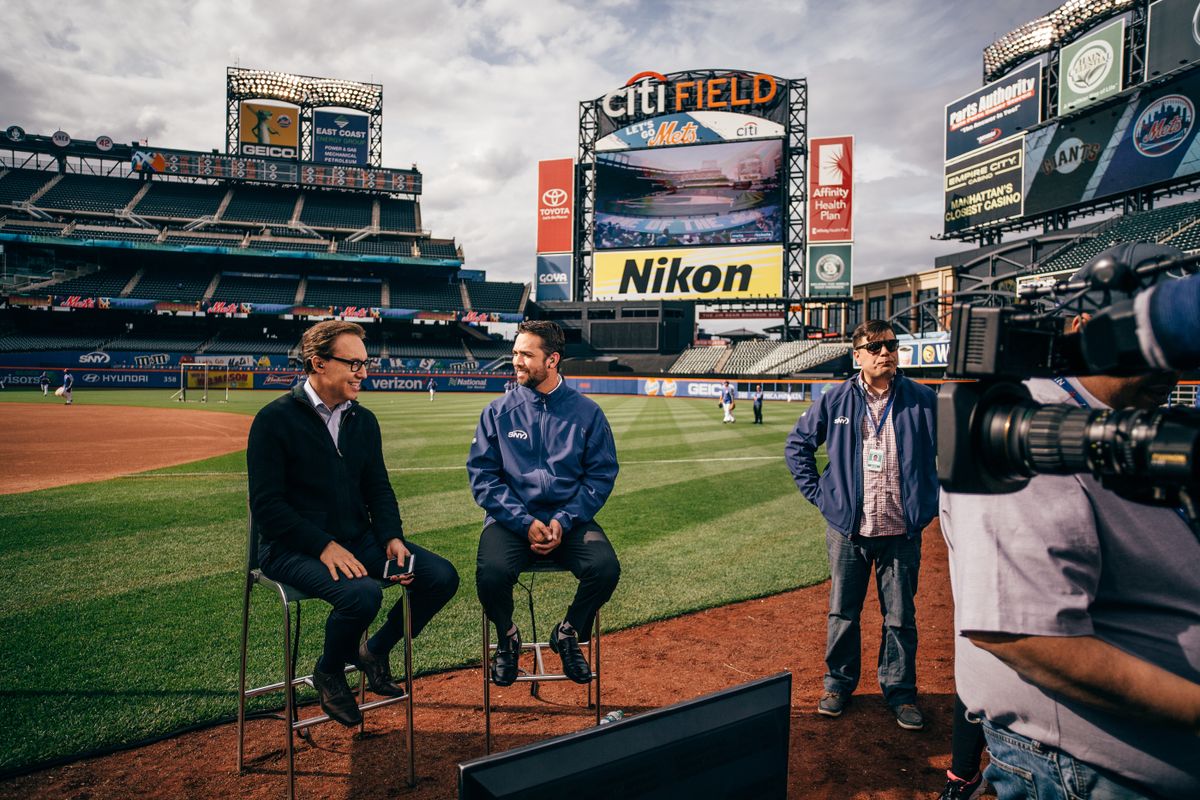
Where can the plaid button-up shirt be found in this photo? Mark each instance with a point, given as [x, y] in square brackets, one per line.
[882, 513]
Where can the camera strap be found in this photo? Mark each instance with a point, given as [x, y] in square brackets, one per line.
[1066, 386]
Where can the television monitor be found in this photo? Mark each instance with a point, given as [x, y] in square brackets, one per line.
[728, 744]
[724, 193]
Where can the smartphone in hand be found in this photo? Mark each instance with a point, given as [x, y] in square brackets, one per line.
[393, 570]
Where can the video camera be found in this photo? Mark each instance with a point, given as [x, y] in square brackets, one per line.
[993, 437]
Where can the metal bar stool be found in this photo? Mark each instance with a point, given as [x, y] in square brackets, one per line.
[538, 648]
[289, 595]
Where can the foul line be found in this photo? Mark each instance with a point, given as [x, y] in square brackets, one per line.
[450, 469]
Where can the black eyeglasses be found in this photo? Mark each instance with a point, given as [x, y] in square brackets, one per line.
[874, 347]
[354, 364]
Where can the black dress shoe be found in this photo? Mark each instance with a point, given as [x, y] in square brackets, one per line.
[506, 660]
[336, 698]
[378, 672]
[574, 665]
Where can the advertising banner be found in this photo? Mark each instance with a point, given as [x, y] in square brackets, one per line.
[831, 189]
[554, 278]
[1173, 36]
[1113, 151]
[652, 94]
[829, 270]
[728, 193]
[1001, 109]
[556, 194]
[694, 128]
[700, 273]
[340, 138]
[1091, 67]
[269, 130]
[985, 186]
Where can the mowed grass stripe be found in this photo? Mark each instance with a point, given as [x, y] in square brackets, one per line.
[147, 642]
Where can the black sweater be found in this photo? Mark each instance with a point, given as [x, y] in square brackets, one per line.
[304, 491]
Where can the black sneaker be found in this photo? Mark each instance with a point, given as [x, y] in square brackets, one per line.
[506, 660]
[574, 665]
[832, 704]
[336, 698]
[958, 789]
[378, 672]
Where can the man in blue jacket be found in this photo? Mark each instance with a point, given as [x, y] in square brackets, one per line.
[877, 493]
[541, 466]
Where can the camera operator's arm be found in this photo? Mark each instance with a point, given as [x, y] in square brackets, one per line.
[1168, 324]
[800, 452]
[1091, 671]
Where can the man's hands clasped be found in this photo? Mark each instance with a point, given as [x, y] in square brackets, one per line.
[543, 537]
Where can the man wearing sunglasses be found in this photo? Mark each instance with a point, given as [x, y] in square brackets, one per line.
[877, 493]
[327, 515]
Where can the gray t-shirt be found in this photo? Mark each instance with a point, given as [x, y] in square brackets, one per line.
[1065, 557]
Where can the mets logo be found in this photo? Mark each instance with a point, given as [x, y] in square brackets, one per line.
[518, 435]
[554, 197]
[1164, 125]
[669, 388]
[652, 387]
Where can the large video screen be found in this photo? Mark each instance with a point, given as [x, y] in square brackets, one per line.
[728, 193]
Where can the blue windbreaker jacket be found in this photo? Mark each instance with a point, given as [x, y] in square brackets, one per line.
[542, 455]
[835, 420]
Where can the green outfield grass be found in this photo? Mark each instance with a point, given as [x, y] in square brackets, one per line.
[120, 600]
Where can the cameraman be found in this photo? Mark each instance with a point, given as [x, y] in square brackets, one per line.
[1079, 622]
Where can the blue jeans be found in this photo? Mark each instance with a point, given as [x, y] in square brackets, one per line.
[1020, 768]
[896, 561]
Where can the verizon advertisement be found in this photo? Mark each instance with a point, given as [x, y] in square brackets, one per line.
[556, 182]
[831, 189]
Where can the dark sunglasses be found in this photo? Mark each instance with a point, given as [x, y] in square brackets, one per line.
[874, 347]
[355, 365]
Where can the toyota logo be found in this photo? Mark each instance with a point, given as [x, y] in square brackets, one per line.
[554, 197]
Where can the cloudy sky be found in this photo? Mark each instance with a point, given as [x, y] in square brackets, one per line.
[475, 93]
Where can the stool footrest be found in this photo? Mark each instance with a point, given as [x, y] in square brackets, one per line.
[302, 680]
[317, 720]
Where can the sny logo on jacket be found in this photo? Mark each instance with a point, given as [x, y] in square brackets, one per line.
[842, 421]
[518, 435]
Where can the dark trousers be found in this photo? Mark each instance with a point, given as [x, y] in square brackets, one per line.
[585, 551]
[758, 413]
[896, 560]
[356, 601]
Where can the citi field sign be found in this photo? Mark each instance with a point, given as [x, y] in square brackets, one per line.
[681, 95]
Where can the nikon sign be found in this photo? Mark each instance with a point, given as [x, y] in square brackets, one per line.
[708, 273]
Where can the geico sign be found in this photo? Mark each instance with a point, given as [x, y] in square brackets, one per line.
[704, 389]
[268, 150]
[646, 94]
[552, 278]
[671, 276]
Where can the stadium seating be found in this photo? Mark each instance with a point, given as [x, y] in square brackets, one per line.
[261, 205]
[18, 185]
[93, 193]
[19, 342]
[426, 351]
[397, 215]
[327, 292]
[378, 247]
[235, 344]
[271, 243]
[813, 355]
[108, 282]
[336, 210]
[184, 240]
[24, 226]
[244, 289]
[406, 293]
[489, 296]
[698, 360]
[180, 200]
[1169, 225]
[490, 350]
[123, 234]
[172, 285]
[432, 249]
[746, 354]
[180, 343]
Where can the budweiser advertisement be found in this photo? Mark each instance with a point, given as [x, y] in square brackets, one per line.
[556, 182]
[831, 189]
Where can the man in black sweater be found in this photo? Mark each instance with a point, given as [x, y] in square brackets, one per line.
[327, 515]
